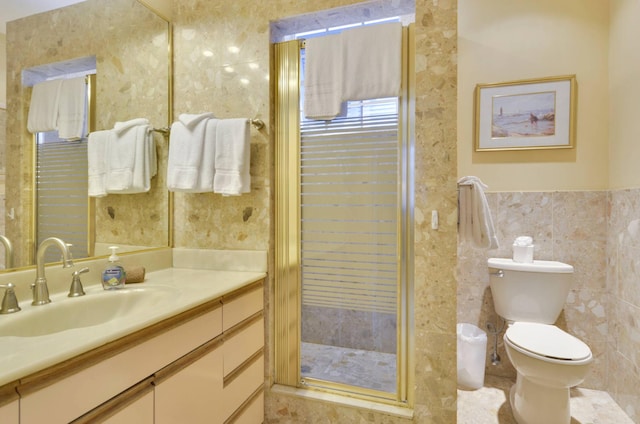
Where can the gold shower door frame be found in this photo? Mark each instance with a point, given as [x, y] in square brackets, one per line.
[287, 290]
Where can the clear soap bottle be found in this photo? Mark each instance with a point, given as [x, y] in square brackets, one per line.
[113, 276]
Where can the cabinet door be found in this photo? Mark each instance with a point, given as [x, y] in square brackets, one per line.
[193, 394]
[138, 412]
[10, 413]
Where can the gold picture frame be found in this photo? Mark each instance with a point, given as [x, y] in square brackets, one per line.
[526, 114]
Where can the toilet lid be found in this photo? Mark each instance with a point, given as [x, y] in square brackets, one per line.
[547, 340]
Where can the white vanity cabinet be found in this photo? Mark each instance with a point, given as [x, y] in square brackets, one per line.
[202, 366]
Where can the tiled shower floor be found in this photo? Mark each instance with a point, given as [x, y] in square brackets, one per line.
[362, 368]
[490, 405]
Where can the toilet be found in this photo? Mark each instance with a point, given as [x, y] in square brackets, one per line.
[549, 361]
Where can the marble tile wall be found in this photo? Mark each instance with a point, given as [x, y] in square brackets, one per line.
[569, 227]
[209, 221]
[3, 137]
[374, 331]
[623, 277]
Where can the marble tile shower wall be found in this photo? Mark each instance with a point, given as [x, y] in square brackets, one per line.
[566, 226]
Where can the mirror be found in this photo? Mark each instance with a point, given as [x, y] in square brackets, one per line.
[133, 69]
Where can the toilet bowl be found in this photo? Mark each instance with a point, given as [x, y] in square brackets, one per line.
[548, 360]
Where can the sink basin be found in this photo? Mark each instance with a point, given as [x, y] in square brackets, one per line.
[95, 308]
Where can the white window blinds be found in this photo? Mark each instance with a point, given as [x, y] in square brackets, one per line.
[349, 208]
[61, 195]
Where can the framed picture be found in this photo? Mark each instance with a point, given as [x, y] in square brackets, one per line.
[526, 114]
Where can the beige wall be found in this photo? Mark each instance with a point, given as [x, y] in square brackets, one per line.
[624, 68]
[506, 40]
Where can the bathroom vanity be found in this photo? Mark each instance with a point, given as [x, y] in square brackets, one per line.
[192, 354]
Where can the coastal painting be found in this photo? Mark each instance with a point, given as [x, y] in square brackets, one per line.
[526, 114]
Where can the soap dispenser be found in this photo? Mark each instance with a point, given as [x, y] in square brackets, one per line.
[113, 276]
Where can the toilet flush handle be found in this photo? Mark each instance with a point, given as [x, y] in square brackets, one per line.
[499, 273]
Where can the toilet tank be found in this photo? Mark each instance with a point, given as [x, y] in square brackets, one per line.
[531, 292]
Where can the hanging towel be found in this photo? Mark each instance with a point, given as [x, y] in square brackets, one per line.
[232, 157]
[43, 109]
[129, 165]
[96, 160]
[207, 164]
[372, 66]
[71, 109]
[186, 147]
[323, 77]
[475, 222]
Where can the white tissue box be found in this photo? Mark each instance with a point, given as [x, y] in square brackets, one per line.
[523, 253]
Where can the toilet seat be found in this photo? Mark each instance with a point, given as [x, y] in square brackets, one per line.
[548, 341]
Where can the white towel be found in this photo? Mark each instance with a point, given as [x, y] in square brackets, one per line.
[96, 160]
[71, 109]
[207, 164]
[372, 66]
[43, 109]
[129, 165]
[232, 157]
[475, 222]
[323, 77]
[186, 148]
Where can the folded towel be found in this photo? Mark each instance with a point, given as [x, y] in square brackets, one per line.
[323, 77]
[96, 155]
[232, 157]
[43, 109]
[372, 66]
[130, 154]
[122, 127]
[71, 109]
[186, 151]
[475, 222]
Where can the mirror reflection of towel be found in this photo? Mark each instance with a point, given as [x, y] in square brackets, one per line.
[43, 109]
[71, 109]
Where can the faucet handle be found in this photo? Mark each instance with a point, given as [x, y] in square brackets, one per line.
[76, 288]
[9, 301]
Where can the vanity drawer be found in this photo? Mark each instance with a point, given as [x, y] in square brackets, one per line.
[238, 308]
[191, 394]
[241, 386]
[90, 387]
[242, 344]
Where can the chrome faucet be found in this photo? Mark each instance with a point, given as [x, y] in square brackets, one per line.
[8, 252]
[39, 288]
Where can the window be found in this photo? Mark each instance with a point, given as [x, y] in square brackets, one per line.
[342, 241]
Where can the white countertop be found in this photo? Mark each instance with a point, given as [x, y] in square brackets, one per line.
[22, 356]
